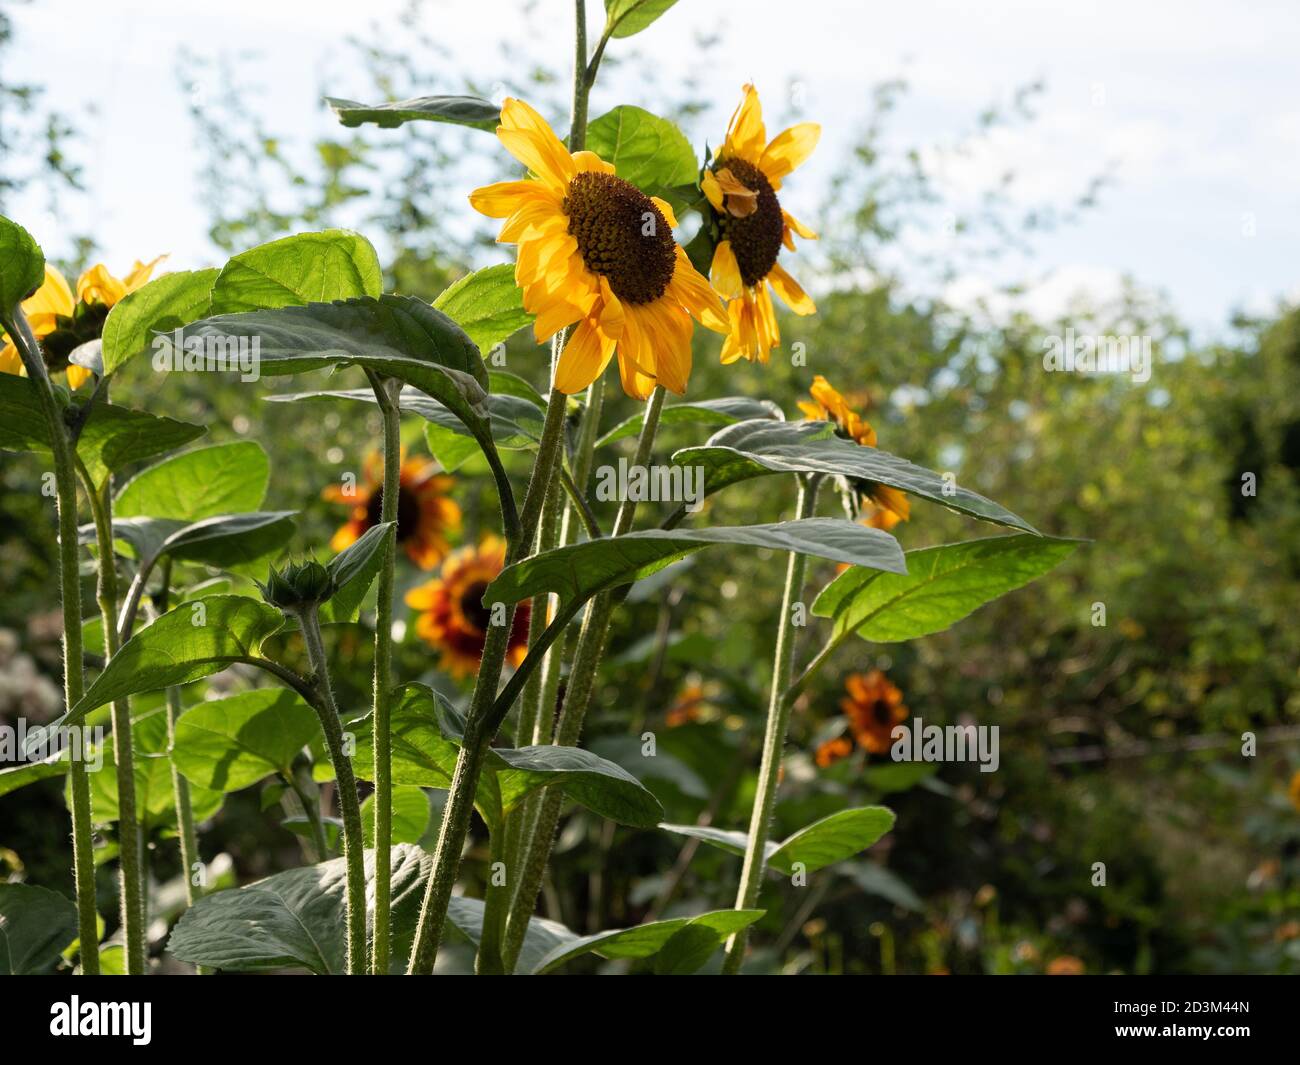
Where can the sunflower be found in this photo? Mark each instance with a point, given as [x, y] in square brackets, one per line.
[424, 510]
[886, 506]
[832, 750]
[597, 253]
[873, 706]
[62, 322]
[741, 186]
[1293, 790]
[453, 616]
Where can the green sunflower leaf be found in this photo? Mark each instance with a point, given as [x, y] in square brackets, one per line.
[942, 585]
[35, 924]
[22, 267]
[832, 839]
[296, 919]
[487, 304]
[193, 640]
[623, 18]
[687, 940]
[165, 303]
[410, 815]
[202, 483]
[472, 111]
[649, 151]
[112, 437]
[232, 743]
[758, 448]
[724, 411]
[579, 571]
[334, 264]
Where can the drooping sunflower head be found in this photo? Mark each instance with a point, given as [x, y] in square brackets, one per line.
[425, 511]
[598, 254]
[453, 616]
[885, 506]
[63, 322]
[873, 706]
[741, 185]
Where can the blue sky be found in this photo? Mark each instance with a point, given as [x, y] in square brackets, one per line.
[1191, 105]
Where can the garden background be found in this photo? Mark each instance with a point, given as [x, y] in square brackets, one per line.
[1120, 742]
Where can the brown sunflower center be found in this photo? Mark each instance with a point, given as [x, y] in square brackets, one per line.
[472, 608]
[408, 511]
[621, 235]
[883, 712]
[756, 238]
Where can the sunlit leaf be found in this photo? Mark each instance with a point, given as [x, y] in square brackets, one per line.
[647, 940]
[222, 479]
[228, 744]
[165, 303]
[335, 264]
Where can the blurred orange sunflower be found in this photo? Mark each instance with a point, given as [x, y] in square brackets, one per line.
[873, 706]
[1293, 790]
[598, 253]
[453, 616]
[832, 750]
[690, 706]
[741, 186]
[63, 322]
[886, 506]
[424, 510]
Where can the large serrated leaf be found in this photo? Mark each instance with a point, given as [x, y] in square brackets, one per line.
[647, 940]
[942, 585]
[191, 641]
[228, 744]
[296, 919]
[202, 483]
[35, 923]
[757, 448]
[487, 304]
[726, 410]
[649, 151]
[471, 111]
[577, 572]
[335, 264]
[165, 303]
[832, 839]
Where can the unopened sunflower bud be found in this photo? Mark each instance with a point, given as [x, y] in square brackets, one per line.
[299, 584]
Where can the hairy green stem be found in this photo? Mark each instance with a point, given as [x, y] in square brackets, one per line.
[130, 861]
[189, 843]
[353, 839]
[311, 811]
[478, 736]
[386, 392]
[778, 722]
[65, 485]
[582, 678]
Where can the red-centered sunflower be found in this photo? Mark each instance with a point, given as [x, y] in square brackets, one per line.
[886, 506]
[741, 185]
[597, 253]
[453, 616]
[873, 706]
[425, 513]
[63, 322]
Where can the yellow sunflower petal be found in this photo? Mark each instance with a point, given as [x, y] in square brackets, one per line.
[590, 162]
[794, 223]
[892, 500]
[611, 312]
[535, 217]
[554, 318]
[97, 285]
[725, 271]
[788, 289]
[528, 137]
[788, 150]
[666, 210]
[54, 297]
[10, 361]
[669, 330]
[584, 358]
[504, 198]
[745, 133]
[712, 190]
[78, 376]
[140, 274]
[693, 291]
